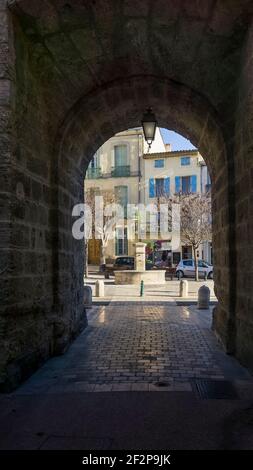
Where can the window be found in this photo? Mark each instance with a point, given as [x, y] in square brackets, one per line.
[120, 155]
[208, 182]
[176, 257]
[186, 184]
[159, 187]
[159, 163]
[202, 264]
[94, 170]
[186, 252]
[95, 161]
[188, 263]
[185, 161]
[120, 261]
[121, 246]
[121, 164]
[121, 197]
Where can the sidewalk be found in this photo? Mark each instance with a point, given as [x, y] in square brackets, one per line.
[168, 292]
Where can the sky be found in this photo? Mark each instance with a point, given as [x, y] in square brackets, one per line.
[177, 141]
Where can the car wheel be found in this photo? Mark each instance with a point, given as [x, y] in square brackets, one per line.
[210, 275]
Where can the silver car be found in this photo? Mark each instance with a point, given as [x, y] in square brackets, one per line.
[186, 268]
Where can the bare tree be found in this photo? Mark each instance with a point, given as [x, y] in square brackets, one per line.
[104, 226]
[196, 223]
[195, 220]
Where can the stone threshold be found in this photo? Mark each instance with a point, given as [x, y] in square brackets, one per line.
[117, 387]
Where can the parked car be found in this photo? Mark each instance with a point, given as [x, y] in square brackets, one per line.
[186, 268]
[120, 263]
[123, 263]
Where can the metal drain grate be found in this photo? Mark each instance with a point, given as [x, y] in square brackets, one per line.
[215, 389]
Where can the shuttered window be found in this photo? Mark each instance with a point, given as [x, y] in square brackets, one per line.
[159, 187]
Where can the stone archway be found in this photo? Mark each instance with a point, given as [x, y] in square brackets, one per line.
[58, 107]
[120, 105]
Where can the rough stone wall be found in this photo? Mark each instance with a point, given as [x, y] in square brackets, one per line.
[233, 253]
[6, 148]
[33, 324]
[244, 207]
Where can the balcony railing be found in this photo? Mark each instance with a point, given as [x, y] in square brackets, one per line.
[120, 171]
[93, 173]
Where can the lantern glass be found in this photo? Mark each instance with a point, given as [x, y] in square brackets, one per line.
[149, 126]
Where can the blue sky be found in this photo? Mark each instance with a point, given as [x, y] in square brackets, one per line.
[177, 141]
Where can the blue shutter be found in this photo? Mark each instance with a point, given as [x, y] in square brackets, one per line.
[167, 186]
[193, 184]
[177, 184]
[151, 187]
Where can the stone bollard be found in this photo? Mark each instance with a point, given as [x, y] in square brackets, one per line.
[100, 289]
[203, 297]
[87, 296]
[183, 288]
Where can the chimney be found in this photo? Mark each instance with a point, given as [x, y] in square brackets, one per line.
[168, 148]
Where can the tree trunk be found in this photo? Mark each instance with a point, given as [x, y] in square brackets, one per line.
[86, 256]
[196, 264]
[102, 258]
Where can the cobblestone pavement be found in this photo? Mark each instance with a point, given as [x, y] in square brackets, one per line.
[138, 347]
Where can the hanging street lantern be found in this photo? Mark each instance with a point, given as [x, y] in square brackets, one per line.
[149, 124]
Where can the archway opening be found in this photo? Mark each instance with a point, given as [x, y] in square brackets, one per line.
[100, 116]
[125, 172]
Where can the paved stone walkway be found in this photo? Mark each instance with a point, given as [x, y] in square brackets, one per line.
[126, 352]
[138, 347]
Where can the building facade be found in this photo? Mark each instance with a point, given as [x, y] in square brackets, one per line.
[124, 165]
[118, 166]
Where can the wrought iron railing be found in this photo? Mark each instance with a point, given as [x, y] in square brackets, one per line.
[93, 173]
[120, 171]
[116, 172]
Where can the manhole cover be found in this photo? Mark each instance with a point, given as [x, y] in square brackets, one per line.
[216, 389]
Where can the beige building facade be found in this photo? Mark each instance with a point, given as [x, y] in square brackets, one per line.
[118, 166]
[124, 165]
